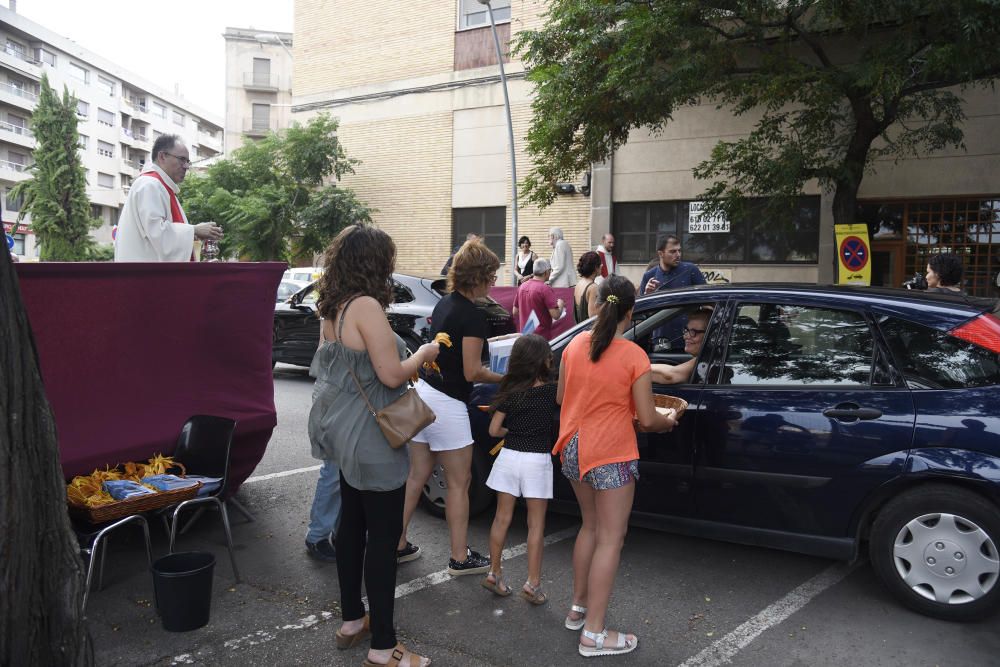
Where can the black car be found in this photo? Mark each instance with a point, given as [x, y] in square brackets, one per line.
[833, 421]
[296, 326]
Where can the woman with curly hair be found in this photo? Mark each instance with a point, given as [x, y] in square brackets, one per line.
[944, 273]
[585, 292]
[360, 348]
[448, 440]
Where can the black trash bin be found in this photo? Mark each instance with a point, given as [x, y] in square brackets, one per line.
[182, 584]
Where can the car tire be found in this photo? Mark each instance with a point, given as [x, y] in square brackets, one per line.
[480, 496]
[936, 549]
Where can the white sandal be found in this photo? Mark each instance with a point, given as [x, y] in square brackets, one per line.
[622, 646]
[577, 624]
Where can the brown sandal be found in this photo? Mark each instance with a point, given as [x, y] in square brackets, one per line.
[533, 594]
[494, 582]
[396, 660]
[345, 642]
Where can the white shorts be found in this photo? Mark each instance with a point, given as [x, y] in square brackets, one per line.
[522, 474]
[451, 429]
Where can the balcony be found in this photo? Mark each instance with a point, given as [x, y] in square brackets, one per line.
[135, 108]
[256, 130]
[16, 134]
[21, 62]
[210, 141]
[14, 171]
[267, 83]
[17, 96]
[131, 167]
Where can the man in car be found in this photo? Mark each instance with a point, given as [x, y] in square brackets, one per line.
[153, 227]
[694, 339]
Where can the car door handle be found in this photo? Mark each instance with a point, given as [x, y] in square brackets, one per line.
[851, 413]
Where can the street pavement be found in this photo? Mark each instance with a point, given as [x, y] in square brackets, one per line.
[692, 602]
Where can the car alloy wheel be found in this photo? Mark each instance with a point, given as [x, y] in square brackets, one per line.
[936, 548]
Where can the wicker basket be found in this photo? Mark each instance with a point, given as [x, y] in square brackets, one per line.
[136, 505]
[665, 401]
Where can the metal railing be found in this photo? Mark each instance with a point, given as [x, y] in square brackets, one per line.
[20, 92]
[13, 166]
[16, 129]
[21, 56]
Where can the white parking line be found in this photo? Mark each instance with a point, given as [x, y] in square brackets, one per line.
[722, 651]
[283, 473]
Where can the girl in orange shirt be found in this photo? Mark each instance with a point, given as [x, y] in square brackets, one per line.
[604, 380]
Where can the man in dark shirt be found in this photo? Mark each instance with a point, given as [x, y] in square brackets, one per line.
[670, 273]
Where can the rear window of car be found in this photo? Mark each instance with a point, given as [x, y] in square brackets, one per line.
[931, 359]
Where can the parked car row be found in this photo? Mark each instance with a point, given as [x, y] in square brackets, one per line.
[826, 421]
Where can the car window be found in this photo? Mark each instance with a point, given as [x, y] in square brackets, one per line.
[310, 297]
[401, 293]
[800, 345]
[931, 359]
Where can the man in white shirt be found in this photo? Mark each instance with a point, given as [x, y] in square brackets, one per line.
[609, 265]
[563, 273]
[152, 226]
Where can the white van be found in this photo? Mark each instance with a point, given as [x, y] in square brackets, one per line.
[303, 273]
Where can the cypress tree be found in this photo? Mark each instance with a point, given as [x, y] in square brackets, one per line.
[56, 195]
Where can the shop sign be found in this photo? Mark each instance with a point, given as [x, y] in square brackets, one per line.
[701, 223]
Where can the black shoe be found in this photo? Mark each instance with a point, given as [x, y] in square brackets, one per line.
[322, 550]
[407, 553]
[474, 563]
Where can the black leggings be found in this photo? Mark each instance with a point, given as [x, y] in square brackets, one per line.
[370, 525]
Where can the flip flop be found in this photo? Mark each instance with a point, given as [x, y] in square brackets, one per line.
[621, 647]
[345, 642]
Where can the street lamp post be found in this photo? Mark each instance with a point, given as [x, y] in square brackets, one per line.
[510, 139]
[270, 37]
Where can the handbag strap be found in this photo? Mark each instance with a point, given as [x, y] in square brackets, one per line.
[340, 330]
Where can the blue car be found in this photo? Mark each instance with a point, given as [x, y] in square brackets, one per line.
[831, 421]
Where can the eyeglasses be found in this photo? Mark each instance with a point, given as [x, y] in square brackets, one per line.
[493, 279]
[183, 160]
[693, 332]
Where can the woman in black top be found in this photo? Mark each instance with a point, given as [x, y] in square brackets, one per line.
[585, 292]
[524, 263]
[448, 440]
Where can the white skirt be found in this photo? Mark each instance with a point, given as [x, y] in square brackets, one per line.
[522, 474]
[451, 429]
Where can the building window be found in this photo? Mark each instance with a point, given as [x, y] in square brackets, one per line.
[178, 118]
[18, 124]
[752, 239]
[261, 72]
[105, 117]
[261, 116]
[15, 49]
[159, 110]
[105, 180]
[18, 244]
[97, 211]
[79, 73]
[474, 14]
[82, 141]
[489, 223]
[82, 109]
[107, 85]
[105, 149]
[45, 56]
[14, 204]
[17, 158]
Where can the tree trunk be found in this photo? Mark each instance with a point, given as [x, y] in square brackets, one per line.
[41, 582]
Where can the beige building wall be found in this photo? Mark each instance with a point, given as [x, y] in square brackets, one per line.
[244, 89]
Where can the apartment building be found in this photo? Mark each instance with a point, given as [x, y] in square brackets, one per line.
[120, 116]
[258, 84]
[420, 103]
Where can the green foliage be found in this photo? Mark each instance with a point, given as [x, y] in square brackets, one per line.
[835, 83]
[272, 196]
[56, 195]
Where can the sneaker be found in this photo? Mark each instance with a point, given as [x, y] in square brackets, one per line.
[322, 550]
[407, 553]
[474, 563]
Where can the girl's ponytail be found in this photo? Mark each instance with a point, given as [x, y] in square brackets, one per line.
[615, 298]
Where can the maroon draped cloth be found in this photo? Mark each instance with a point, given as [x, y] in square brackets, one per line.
[505, 297]
[129, 351]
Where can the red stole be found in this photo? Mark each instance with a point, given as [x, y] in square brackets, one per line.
[604, 264]
[175, 206]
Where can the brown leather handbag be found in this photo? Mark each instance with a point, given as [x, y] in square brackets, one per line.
[403, 418]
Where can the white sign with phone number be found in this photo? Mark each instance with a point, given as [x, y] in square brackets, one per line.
[701, 223]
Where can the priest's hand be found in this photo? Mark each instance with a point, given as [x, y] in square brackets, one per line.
[208, 231]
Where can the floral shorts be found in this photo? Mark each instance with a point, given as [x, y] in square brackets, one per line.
[601, 478]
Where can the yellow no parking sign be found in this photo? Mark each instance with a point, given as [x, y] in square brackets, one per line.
[853, 255]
